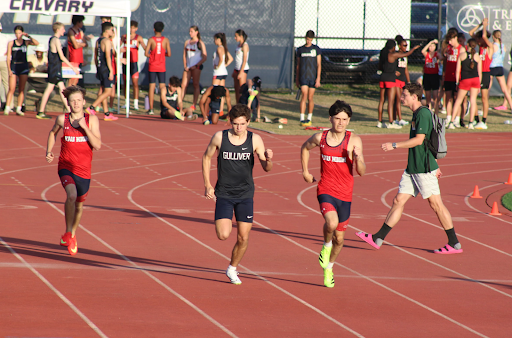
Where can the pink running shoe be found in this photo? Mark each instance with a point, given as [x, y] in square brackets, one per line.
[500, 108]
[91, 111]
[110, 117]
[448, 250]
[367, 238]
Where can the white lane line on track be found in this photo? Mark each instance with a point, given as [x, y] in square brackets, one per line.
[20, 183]
[165, 286]
[130, 194]
[54, 289]
[104, 186]
[25, 137]
[299, 199]
[466, 200]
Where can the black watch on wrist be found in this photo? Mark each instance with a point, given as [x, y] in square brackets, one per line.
[394, 145]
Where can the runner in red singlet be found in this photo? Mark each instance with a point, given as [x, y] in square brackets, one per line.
[431, 74]
[451, 55]
[76, 43]
[157, 49]
[339, 150]
[486, 51]
[81, 135]
[135, 41]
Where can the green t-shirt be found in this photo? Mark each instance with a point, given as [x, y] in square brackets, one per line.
[417, 160]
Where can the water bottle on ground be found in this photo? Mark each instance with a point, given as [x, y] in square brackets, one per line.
[508, 122]
[146, 103]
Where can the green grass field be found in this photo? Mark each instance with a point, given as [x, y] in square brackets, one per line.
[362, 97]
[506, 200]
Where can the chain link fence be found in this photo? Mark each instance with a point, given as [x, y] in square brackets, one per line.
[352, 33]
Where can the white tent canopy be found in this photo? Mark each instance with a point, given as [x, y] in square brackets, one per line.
[115, 8]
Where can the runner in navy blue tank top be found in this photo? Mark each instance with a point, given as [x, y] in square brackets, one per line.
[235, 186]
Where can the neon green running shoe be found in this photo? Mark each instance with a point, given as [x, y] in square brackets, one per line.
[178, 115]
[328, 278]
[324, 256]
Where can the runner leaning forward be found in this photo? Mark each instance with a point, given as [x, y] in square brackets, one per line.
[235, 186]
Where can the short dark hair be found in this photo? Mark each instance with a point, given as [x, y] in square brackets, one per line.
[340, 107]
[106, 26]
[399, 38]
[77, 19]
[414, 89]
[217, 92]
[461, 35]
[174, 81]
[134, 23]
[310, 34]
[68, 91]
[257, 81]
[158, 26]
[18, 28]
[239, 110]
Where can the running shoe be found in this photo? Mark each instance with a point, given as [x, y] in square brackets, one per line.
[19, 112]
[305, 123]
[73, 246]
[233, 277]
[328, 278]
[443, 110]
[136, 106]
[178, 115]
[500, 108]
[192, 117]
[206, 122]
[368, 238]
[7, 111]
[110, 117]
[481, 125]
[379, 125]
[392, 126]
[448, 250]
[64, 240]
[403, 122]
[457, 124]
[471, 126]
[325, 255]
[91, 110]
[150, 112]
[193, 107]
[451, 125]
[43, 116]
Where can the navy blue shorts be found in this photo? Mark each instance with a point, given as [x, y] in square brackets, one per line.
[154, 75]
[243, 209]
[342, 208]
[19, 68]
[220, 77]
[82, 184]
[104, 81]
[497, 71]
[307, 82]
[134, 69]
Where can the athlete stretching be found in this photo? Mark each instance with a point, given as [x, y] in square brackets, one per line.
[339, 150]
[235, 186]
[81, 135]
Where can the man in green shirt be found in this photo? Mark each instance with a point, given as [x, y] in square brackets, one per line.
[421, 175]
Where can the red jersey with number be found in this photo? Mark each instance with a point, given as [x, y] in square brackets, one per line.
[451, 63]
[486, 59]
[157, 56]
[431, 66]
[75, 151]
[76, 54]
[134, 48]
[336, 169]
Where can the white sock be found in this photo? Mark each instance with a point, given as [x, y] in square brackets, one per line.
[328, 244]
[136, 103]
[18, 109]
[310, 116]
[457, 119]
[7, 108]
[301, 117]
[330, 265]
[232, 268]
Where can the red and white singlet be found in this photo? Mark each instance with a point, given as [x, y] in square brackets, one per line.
[75, 151]
[76, 55]
[134, 48]
[486, 59]
[431, 66]
[451, 63]
[157, 56]
[336, 169]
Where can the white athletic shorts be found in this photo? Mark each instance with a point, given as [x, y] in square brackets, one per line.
[426, 184]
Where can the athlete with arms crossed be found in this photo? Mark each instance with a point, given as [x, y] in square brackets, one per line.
[339, 150]
[235, 186]
[81, 135]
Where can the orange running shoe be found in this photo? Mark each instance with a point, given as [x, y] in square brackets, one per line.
[73, 246]
[64, 240]
[110, 117]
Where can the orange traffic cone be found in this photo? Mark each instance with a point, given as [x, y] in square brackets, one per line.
[509, 179]
[495, 211]
[476, 193]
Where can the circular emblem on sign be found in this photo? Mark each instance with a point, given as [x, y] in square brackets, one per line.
[470, 16]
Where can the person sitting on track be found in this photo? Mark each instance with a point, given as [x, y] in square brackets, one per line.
[339, 150]
[237, 148]
[171, 105]
[81, 134]
[420, 176]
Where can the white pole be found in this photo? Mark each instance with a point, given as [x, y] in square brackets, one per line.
[128, 52]
[118, 63]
